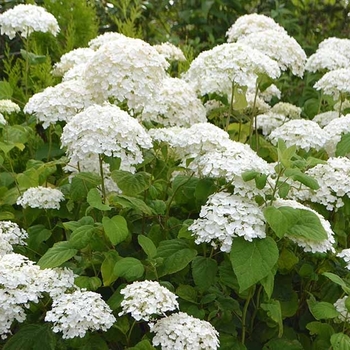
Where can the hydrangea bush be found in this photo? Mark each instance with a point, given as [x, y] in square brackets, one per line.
[151, 204]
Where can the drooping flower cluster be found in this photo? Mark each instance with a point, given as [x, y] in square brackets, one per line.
[76, 313]
[146, 299]
[26, 19]
[7, 106]
[105, 130]
[226, 216]
[170, 52]
[41, 197]
[11, 234]
[181, 331]
[345, 255]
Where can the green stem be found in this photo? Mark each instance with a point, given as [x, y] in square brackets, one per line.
[340, 105]
[129, 334]
[244, 317]
[50, 144]
[253, 119]
[231, 108]
[102, 179]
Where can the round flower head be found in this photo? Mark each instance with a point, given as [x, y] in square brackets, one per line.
[181, 331]
[305, 134]
[175, 104]
[41, 197]
[217, 69]
[60, 103]
[105, 130]
[336, 44]
[225, 216]
[323, 119]
[288, 55]
[146, 299]
[269, 121]
[309, 245]
[326, 59]
[105, 38]
[289, 110]
[335, 82]
[252, 23]
[270, 92]
[76, 313]
[127, 70]
[7, 106]
[345, 255]
[344, 314]
[26, 19]
[10, 234]
[170, 52]
[334, 130]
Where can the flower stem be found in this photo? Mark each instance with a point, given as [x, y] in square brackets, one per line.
[102, 179]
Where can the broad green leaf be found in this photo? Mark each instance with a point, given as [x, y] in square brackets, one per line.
[116, 228]
[94, 198]
[252, 261]
[114, 303]
[268, 284]
[6, 147]
[32, 58]
[306, 180]
[131, 184]
[260, 181]
[204, 188]
[27, 179]
[283, 343]
[90, 283]
[279, 220]
[107, 267]
[249, 175]
[324, 330]
[273, 310]
[287, 260]
[57, 255]
[129, 268]
[336, 279]
[186, 292]
[18, 134]
[204, 272]
[6, 90]
[82, 183]
[81, 236]
[340, 341]
[94, 342]
[134, 203]
[36, 235]
[322, 310]
[343, 146]
[147, 246]
[143, 345]
[72, 225]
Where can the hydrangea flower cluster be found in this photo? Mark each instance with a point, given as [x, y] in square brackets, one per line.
[323, 119]
[287, 109]
[344, 314]
[326, 59]
[105, 130]
[345, 255]
[170, 52]
[342, 46]
[146, 299]
[26, 19]
[11, 234]
[105, 38]
[270, 92]
[305, 134]
[181, 331]
[225, 216]
[41, 197]
[270, 121]
[76, 313]
[307, 244]
[334, 131]
[7, 106]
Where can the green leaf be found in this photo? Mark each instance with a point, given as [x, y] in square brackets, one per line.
[306, 180]
[94, 199]
[278, 219]
[36, 235]
[324, 330]
[204, 272]
[147, 246]
[132, 202]
[273, 310]
[131, 184]
[287, 260]
[90, 283]
[57, 255]
[283, 343]
[6, 90]
[337, 280]
[343, 146]
[340, 341]
[249, 175]
[239, 97]
[32, 58]
[187, 292]
[322, 310]
[107, 267]
[260, 181]
[81, 236]
[268, 284]
[143, 345]
[252, 261]
[129, 268]
[116, 228]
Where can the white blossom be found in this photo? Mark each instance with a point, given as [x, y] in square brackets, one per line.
[41, 197]
[81, 311]
[340, 45]
[170, 52]
[344, 314]
[334, 131]
[326, 59]
[11, 234]
[26, 19]
[323, 119]
[146, 299]
[269, 121]
[7, 106]
[105, 38]
[345, 255]
[289, 110]
[3, 121]
[270, 92]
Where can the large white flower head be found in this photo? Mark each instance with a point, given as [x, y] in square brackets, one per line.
[336, 44]
[224, 217]
[345, 255]
[333, 178]
[72, 59]
[335, 82]
[252, 23]
[7, 106]
[181, 331]
[289, 110]
[11, 234]
[61, 102]
[175, 104]
[269, 121]
[105, 38]
[280, 47]
[127, 70]
[323, 119]
[335, 129]
[105, 130]
[270, 92]
[307, 244]
[81, 311]
[170, 52]
[305, 134]
[146, 299]
[3, 121]
[215, 70]
[26, 19]
[41, 197]
[326, 59]
[344, 314]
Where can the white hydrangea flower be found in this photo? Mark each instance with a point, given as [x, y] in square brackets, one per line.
[26, 19]
[105, 38]
[252, 23]
[175, 104]
[323, 119]
[344, 314]
[345, 255]
[7, 106]
[41, 197]
[224, 217]
[326, 59]
[270, 92]
[11, 234]
[269, 121]
[3, 121]
[335, 82]
[215, 70]
[72, 59]
[334, 130]
[146, 299]
[105, 130]
[307, 244]
[260, 106]
[181, 331]
[61, 102]
[333, 178]
[289, 55]
[170, 52]
[127, 70]
[81, 311]
[336, 44]
[305, 134]
[289, 110]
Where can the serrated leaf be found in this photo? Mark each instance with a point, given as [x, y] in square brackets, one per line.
[57, 255]
[204, 272]
[147, 246]
[252, 261]
[343, 146]
[116, 228]
[340, 341]
[135, 203]
[94, 199]
[129, 268]
[81, 236]
[131, 184]
[6, 90]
